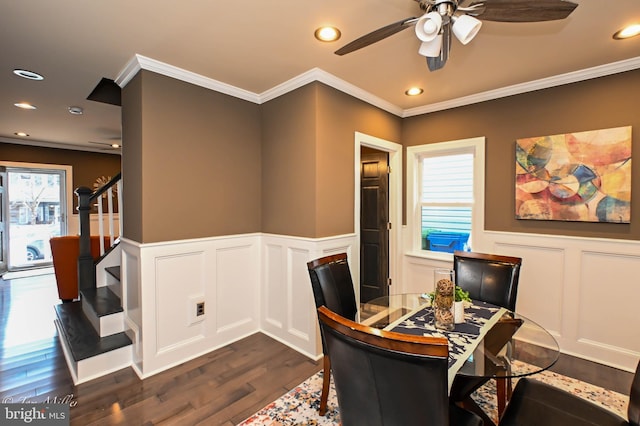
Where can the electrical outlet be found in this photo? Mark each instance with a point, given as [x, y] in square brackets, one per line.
[195, 309]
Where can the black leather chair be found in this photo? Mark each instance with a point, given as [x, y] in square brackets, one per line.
[537, 403]
[493, 279]
[387, 378]
[488, 277]
[332, 287]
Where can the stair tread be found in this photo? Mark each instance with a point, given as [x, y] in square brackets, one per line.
[103, 301]
[80, 335]
[114, 271]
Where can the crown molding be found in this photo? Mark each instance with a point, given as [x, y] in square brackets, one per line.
[139, 62]
[319, 75]
[516, 89]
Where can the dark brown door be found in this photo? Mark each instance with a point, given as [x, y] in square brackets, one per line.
[374, 219]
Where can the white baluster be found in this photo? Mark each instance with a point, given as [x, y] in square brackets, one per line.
[110, 205]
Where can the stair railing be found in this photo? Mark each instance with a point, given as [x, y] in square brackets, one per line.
[86, 267]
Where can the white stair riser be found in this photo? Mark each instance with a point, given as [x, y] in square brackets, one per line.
[94, 367]
[105, 325]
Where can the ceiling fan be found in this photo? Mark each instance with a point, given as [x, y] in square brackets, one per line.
[462, 18]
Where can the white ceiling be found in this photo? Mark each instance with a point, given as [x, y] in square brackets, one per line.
[256, 46]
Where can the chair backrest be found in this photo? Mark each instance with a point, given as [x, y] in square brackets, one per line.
[65, 251]
[488, 277]
[332, 284]
[633, 411]
[386, 378]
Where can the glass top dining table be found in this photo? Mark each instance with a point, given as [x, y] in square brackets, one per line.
[508, 345]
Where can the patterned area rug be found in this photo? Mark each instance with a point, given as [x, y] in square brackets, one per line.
[300, 405]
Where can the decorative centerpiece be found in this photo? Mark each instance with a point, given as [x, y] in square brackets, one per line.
[443, 299]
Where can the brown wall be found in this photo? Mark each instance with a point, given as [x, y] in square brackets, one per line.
[200, 161]
[288, 163]
[286, 167]
[87, 166]
[132, 159]
[600, 103]
[308, 159]
[339, 117]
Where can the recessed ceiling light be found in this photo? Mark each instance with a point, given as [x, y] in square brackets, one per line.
[76, 110]
[21, 134]
[414, 91]
[627, 32]
[28, 74]
[115, 145]
[25, 105]
[327, 33]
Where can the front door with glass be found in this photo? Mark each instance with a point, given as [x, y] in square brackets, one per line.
[36, 213]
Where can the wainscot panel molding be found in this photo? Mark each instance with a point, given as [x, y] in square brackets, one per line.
[163, 283]
[287, 307]
[248, 283]
[583, 290]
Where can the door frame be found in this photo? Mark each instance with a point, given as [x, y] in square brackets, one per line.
[68, 190]
[395, 207]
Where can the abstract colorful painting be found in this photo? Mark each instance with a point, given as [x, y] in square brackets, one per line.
[584, 176]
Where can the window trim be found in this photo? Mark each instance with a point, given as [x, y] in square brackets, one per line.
[414, 153]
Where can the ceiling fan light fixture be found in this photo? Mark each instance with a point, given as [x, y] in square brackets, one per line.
[428, 26]
[431, 49]
[465, 28]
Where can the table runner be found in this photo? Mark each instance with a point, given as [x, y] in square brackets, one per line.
[463, 339]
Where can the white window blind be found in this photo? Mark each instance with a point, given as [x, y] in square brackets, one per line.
[446, 201]
[447, 179]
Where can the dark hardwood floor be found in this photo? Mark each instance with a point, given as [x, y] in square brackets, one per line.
[221, 388]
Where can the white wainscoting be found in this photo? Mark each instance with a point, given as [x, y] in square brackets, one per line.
[288, 309]
[249, 283]
[162, 284]
[584, 291]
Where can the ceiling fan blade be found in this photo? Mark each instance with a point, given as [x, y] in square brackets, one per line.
[438, 62]
[525, 10]
[377, 35]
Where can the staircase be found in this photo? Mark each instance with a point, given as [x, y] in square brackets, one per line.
[91, 330]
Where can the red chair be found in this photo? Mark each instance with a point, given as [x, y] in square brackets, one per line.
[65, 251]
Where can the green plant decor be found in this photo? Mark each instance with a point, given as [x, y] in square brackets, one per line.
[460, 295]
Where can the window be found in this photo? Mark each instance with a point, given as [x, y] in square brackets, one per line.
[447, 197]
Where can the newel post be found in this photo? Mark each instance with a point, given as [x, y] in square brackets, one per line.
[86, 274]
